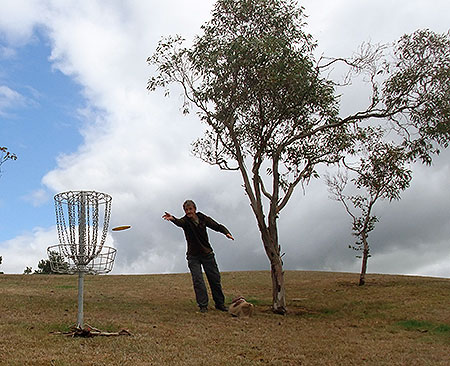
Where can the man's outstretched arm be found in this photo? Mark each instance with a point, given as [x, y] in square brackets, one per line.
[167, 216]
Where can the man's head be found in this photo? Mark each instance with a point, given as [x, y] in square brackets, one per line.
[190, 208]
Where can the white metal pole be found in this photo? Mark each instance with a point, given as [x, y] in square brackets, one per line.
[82, 258]
[80, 320]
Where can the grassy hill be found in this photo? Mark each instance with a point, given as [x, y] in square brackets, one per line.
[392, 320]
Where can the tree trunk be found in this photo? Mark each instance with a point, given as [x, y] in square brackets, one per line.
[278, 290]
[269, 234]
[276, 268]
[365, 257]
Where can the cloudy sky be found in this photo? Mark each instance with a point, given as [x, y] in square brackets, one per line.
[74, 108]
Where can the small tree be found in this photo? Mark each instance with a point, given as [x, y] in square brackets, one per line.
[28, 270]
[44, 265]
[379, 173]
[1, 259]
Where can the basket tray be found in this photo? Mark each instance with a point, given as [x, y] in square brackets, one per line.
[62, 260]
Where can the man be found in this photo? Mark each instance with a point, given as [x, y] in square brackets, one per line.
[200, 253]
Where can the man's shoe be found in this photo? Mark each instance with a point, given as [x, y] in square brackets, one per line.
[221, 307]
[203, 309]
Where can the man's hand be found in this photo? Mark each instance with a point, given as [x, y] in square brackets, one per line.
[229, 236]
[167, 216]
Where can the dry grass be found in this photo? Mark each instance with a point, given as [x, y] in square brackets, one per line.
[393, 320]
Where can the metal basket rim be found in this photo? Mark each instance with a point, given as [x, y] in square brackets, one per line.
[93, 267]
[62, 197]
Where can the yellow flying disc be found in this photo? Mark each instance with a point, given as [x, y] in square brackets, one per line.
[120, 228]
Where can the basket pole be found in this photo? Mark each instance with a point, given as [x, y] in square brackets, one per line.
[80, 320]
[81, 253]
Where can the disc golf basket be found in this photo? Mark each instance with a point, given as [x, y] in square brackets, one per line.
[82, 219]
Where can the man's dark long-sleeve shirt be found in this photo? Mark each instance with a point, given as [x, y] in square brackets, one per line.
[196, 235]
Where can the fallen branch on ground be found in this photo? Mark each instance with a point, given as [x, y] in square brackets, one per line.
[88, 332]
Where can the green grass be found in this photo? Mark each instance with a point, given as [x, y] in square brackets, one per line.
[424, 326]
[392, 320]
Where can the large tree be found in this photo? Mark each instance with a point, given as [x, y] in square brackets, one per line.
[270, 114]
[253, 80]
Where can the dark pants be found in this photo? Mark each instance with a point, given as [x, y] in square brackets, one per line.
[209, 264]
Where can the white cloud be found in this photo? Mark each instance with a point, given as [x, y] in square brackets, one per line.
[7, 52]
[26, 250]
[38, 197]
[19, 18]
[433, 261]
[10, 98]
[440, 267]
